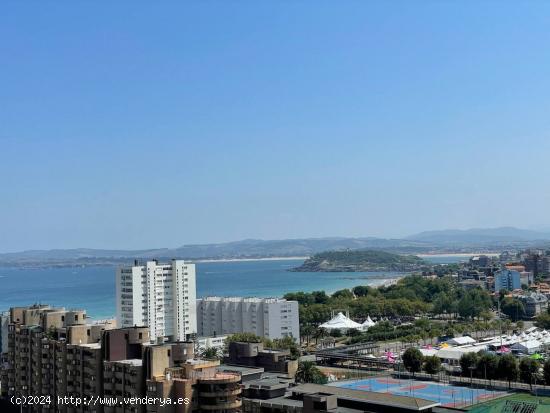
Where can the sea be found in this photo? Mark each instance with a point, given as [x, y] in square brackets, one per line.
[93, 288]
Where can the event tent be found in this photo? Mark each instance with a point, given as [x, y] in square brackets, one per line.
[341, 322]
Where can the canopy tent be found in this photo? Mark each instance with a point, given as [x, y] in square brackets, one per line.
[527, 347]
[460, 341]
[367, 323]
[341, 322]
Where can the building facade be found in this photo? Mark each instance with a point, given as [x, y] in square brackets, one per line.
[55, 353]
[266, 317]
[508, 280]
[4, 321]
[52, 352]
[160, 296]
[534, 304]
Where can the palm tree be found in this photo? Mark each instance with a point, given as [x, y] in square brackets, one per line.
[309, 373]
[320, 333]
[306, 333]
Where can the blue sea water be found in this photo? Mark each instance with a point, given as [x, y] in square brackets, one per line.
[93, 288]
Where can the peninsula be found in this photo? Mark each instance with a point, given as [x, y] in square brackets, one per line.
[361, 260]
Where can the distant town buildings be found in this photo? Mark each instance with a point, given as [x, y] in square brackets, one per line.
[160, 296]
[507, 280]
[265, 317]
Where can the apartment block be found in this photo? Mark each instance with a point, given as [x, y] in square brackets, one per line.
[56, 354]
[4, 321]
[160, 296]
[59, 354]
[266, 317]
[509, 280]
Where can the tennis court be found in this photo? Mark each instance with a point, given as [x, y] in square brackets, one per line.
[447, 395]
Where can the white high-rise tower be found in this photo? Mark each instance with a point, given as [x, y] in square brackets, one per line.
[160, 296]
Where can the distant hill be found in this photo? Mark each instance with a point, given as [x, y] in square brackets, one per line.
[231, 250]
[446, 241]
[479, 236]
[369, 260]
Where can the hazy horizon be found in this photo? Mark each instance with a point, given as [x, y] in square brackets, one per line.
[128, 126]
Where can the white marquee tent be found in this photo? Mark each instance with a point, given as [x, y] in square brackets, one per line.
[367, 324]
[341, 322]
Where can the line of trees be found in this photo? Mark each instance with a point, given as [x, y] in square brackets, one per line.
[485, 366]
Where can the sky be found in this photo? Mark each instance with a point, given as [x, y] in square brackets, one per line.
[136, 124]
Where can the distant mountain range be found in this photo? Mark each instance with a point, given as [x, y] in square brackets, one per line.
[471, 240]
[480, 236]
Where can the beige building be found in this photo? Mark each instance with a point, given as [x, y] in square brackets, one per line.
[55, 352]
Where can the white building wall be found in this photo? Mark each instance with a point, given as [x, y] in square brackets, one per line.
[161, 296]
[269, 317]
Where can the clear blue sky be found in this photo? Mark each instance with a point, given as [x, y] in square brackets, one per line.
[147, 124]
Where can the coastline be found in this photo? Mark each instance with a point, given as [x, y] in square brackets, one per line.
[250, 259]
[458, 254]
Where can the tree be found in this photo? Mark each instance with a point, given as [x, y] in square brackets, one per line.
[307, 332]
[211, 353]
[507, 368]
[468, 361]
[320, 333]
[486, 366]
[543, 320]
[244, 337]
[336, 332]
[285, 343]
[432, 364]
[473, 303]
[513, 308]
[308, 372]
[352, 332]
[412, 360]
[528, 370]
[520, 324]
[346, 293]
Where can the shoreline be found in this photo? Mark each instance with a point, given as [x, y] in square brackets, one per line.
[458, 254]
[249, 259]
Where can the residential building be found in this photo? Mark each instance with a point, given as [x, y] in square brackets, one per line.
[58, 354]
[480, 261]
[255, 355]
[473, 284]
[4, 321]
[266, 317]
[534, 303]
[217, 342]
[526, 278]
[52, 351]
[160, 296]
[533, 261]
[507, 280]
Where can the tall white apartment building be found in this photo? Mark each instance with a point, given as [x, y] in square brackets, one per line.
[160, 296]
[265, 317]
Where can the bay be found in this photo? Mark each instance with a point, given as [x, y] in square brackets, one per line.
[93, 288]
